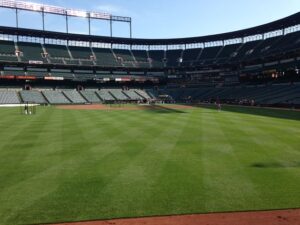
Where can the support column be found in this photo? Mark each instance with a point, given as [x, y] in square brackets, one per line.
[130, 24]
[89, 20]
[17, 22]
[67, 23]
[17, 18]
[111, 27]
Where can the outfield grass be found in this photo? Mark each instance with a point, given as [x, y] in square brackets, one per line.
[64, 165]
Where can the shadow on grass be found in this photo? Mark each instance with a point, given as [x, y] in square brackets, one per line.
[276, 165]
[162, 109]
[275, 113]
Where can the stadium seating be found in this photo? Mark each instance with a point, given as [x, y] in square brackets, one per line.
[152, 93]
[173, 58]
[55, 97]
[80, 52]
[227, 52]
[105, 95]
[143, 94]
[157, 58]
[208, 55]
[91, 96]
[39, 73]
[262, 48]
[246, 50]
[31, 52]
[132, 95]
[124, 57]
[8, 51]
[262, 95]
[141, 58]
[66, 74]
[286, 43]
[189, 56]
[74, 96]
[84, 54]
[105, 57]
[33, 97]
[57, 53]
[118, 94]
[9, 97]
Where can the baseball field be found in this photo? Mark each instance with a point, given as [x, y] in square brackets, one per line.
[78, 164]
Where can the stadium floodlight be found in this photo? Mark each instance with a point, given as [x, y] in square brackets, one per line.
[100, 15]
[78, 13]
[29, 6]
[8, 4]
[54, 10]
[36, 7]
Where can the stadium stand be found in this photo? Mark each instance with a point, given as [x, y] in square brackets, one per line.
[143, 94]
[246, 50]
[55, 97]
[260, 63]
[152, 93]
[141, 57]
[33, 97]
[57, 53]
[208, 55]
[83, 54]
[9, 97]
[189, 56]
[105, 57]
[174, 58]
[227, 52]
[124, 57]
[157, 58]
[8, 51]
[105, 96]
[262, 95]
[74, 96]
[90, 96]
[133, 95]
[66, 74]
[118, 94]
[262, 48]
[31, 52]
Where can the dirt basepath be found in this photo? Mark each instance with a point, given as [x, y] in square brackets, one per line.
[124, 107]
[279, 217]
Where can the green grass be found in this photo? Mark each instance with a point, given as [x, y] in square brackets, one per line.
[63, 165]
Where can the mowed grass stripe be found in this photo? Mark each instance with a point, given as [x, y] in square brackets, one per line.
[228, 186]
[86, 165]
[272, 159]
[29, 179]
[121, 156]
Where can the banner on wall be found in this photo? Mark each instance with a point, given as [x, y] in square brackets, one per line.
[53, 78]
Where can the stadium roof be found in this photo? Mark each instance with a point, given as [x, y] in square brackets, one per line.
[269, 27]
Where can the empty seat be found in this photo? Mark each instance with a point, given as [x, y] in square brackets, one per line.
[74, 96]
[31, 52]
[8, 51]
[173, 58]
[157, 58]
[105, 95]
[91, 96]
[9, 97]
[105, 57]
[33, 97]
[133, 95]
[55, 97]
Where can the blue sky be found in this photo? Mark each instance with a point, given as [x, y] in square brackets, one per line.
[163, 18]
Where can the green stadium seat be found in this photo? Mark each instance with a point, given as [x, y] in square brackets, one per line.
[31, 52]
